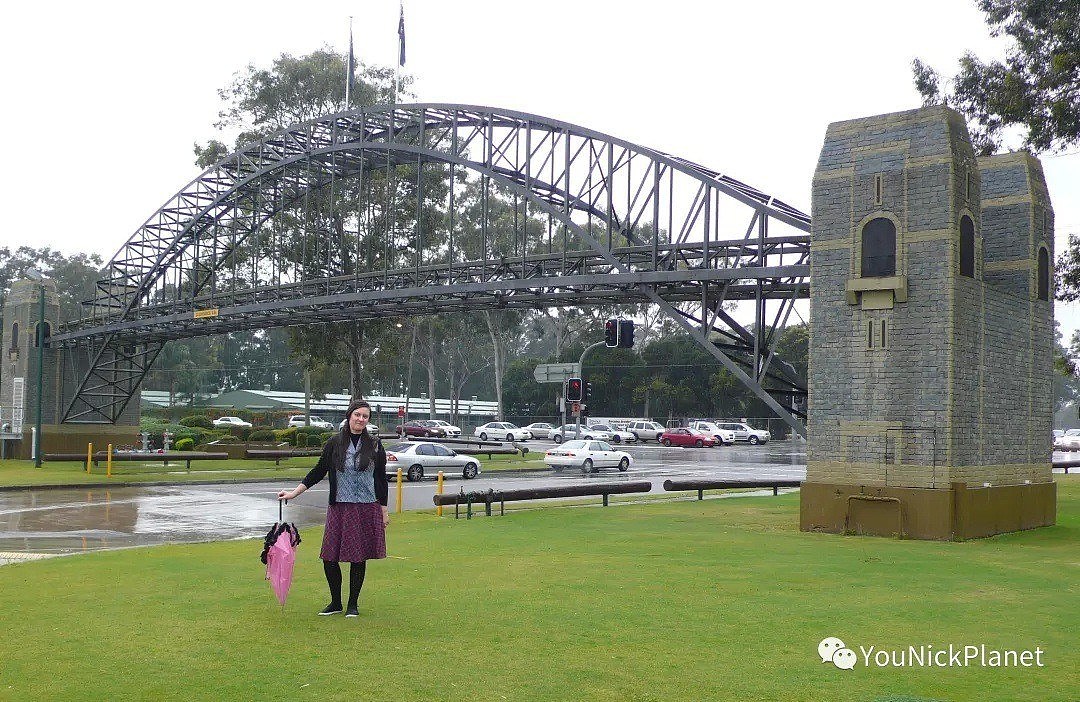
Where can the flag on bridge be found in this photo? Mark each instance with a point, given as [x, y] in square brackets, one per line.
[401, 35]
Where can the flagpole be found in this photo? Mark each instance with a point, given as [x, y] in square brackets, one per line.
[349, 68]
[401, 49]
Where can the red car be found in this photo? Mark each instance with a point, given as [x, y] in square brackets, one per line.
[686, 437]
[420, 427]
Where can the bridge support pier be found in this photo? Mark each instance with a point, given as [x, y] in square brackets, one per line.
[60, 374]
[931, 349]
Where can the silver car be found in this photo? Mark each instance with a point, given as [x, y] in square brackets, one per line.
[540, 430]
[416, 458]
[569, 431]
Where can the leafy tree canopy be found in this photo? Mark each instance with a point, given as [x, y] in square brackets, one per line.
[1035, 88]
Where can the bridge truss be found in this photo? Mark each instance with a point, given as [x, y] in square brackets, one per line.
[393, 211]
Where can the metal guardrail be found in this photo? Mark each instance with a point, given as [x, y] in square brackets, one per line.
[489, 497]
[1066, 464]
[98, 457]
[702, 485]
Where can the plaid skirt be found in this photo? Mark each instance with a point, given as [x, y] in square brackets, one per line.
[354, 532]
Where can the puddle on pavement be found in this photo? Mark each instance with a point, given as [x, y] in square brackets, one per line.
[55, 522]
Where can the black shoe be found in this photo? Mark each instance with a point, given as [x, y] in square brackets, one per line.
[351, 612]
[331, 609]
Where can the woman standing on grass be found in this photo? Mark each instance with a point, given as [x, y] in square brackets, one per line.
[356, 518]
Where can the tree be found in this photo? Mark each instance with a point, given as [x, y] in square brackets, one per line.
[339, 229]
[1036, 87]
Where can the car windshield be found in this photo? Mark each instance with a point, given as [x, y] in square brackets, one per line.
[600, 427]
[1073, 432]
[398, 448]
[574, 445]
[654, 425]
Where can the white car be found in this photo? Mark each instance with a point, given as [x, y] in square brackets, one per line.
[589, 456]
[1071, 440]
[418, 457]
[225, 422]
[644, 430]
[570, 431]
[501, 431]
[745, 432]
[726, 437]
[540, 430]
[618, 436]
[372, 429]
[451, 431]
[297, 420]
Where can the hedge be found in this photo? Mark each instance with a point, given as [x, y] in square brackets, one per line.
[185, 444]
[197, 420]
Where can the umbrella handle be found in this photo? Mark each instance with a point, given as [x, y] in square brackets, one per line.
[279, 515]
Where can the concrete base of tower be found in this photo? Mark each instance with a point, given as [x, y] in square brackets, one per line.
[957, 512]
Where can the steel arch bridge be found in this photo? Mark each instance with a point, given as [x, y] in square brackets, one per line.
[387, 211]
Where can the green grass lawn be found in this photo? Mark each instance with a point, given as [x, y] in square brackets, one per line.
[720, 600]
[19, 472]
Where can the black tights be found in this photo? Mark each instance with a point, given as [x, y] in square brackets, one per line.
[333, 579]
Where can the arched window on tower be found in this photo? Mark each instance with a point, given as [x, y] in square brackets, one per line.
[878, 248]
[47, 333]
[14, 336]
[967, 247]
[1044, 273]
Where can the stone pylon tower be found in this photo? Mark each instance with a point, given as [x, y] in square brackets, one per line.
[931, 341]
[61, 371]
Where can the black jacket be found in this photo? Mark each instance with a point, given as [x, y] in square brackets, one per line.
[333, 458]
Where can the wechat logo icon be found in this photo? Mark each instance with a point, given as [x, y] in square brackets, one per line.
[832, 649]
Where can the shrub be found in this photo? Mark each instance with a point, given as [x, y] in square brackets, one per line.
[262, 435]
[240, 433]
[197, 420]
[325, 436]
[185, 444]
[285, 435]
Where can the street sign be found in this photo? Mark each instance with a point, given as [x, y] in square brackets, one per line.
[556, 372]
[577, 408]
[401, 410]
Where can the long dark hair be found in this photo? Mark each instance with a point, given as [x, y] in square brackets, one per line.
[367, 444]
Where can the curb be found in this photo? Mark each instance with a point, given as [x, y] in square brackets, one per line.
[220, 481]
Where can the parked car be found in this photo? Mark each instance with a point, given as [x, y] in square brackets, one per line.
[372, 429]
[570, 432]
[297, 420]
[449, 428]
[682, 436]
[540, 430]
[423, 428]
[1071, 440]
[618, 436]
[420, 457]
[590, 456]
[745, 432]
[645, 431]
[226, 422]
[723, 436]
[501, 431]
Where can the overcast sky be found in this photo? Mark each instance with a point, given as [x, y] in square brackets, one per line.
[105, 100]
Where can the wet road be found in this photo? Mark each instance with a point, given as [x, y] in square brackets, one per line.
[38, 523]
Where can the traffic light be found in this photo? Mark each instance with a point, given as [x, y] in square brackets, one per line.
[626, 333]
[611, 333]
[584, 410]
[573, 390]
[586, 391]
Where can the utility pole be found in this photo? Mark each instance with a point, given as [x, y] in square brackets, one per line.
[581, 365]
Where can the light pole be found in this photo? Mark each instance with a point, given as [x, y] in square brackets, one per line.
[39, 337]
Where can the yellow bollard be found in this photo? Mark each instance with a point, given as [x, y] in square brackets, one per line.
[438, 510]
[89, 456]
[399, 491]
[108, 462]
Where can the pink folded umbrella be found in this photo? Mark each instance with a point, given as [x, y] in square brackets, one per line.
[279, 555]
